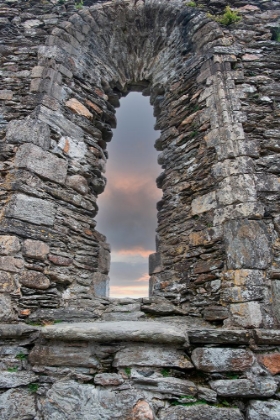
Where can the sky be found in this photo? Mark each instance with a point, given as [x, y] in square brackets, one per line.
[127, 208]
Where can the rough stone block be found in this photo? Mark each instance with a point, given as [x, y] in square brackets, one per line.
[246, 315]
[208, 336]
[264, 410]
[6, 282]
[6, 310]
[154, 263]
[15, 379]
[222, 359]
[152, 356]
[247, 244]
[267, 337]
[31, 209]
[29, 131]
[271, 362]
[34, 280]
[169, 385]
[214, 313]
[204, 203]
[78, 108]
[42, 163]
[264, 387]
[9, 245]
[205, 237]
[150, 332]
[14, 265]
[35, 249]
[17, 404]
[243, 285]
[108, 379]
[62, 355]
[78, 183]
[201, 412]
[236, 189]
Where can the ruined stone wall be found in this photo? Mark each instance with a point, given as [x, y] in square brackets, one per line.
[214, 90]
[201, 345]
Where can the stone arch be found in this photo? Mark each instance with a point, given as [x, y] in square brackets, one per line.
[212, 244]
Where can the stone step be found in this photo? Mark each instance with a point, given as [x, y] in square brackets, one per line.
[140, 331]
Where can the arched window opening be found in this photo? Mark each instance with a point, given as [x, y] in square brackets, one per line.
[127, 208]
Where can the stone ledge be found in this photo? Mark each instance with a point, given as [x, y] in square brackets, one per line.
[212, 336]
[149, 332]
[17, 330]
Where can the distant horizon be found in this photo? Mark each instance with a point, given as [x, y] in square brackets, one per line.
[127, 208]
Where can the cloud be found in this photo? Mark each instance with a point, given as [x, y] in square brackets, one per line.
[133, 291]
[127, 214]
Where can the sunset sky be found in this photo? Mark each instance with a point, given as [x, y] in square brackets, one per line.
[127, 208]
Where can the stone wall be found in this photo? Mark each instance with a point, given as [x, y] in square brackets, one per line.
[215, 94]
[201, 345]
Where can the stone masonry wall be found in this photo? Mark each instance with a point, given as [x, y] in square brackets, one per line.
[201, 346]
[214, 90]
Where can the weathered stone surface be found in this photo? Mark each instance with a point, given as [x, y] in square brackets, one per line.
[42, 163]
[243, 285]
[108, 379]
[61, 355]
[78, 108]
[35, 249]
[204, 203]
[247, 244]
[88, 402]
[200, 412]
[11, 264]
[6, 310]
[246, 315]
[154, 263]
[271, 362]
[264, 387]
[169, 385]
[78, 183]
[34, 280]
[6, 282]
[16, 330]
[142, 411]
[265, 336]
[15, 379]
[150, 332]
[9, 245]
[264, 410]
[29, 131]
[206, 394]
[213, 313]
[149, 355]
[31, 209]
[222, 359]
[17, 404]
[219, 336]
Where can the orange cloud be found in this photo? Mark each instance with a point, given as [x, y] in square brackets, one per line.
[135, 251]
[131, 183]
[145, 277]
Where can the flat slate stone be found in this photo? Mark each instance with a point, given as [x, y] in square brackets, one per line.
[16, 330]
[267, 336]
[219, 336]
[149, 332]
[265, 387]
[200, 412]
